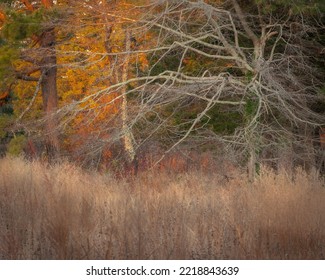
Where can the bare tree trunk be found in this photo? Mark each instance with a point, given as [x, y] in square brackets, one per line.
[252, 164]
[310, 158]
[49, 91]
[286, 156]
[321, 156]
[127, 134]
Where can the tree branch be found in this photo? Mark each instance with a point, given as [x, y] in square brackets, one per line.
[33, 99]
[244, 23]
[24, 77]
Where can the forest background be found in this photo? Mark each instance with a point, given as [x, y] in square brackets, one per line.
[129, 84]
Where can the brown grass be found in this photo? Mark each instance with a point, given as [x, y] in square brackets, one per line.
[63, 212]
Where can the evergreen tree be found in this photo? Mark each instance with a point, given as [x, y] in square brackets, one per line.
[28, 53]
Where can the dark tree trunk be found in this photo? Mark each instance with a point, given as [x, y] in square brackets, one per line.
[49, 91]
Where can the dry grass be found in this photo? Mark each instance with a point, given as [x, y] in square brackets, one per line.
[63, 212]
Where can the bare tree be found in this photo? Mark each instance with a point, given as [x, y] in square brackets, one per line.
[255, 63]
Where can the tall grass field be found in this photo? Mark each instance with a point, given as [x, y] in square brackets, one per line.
[64, 212]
